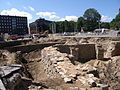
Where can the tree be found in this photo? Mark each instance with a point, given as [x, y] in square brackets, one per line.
[72, 26]
[80, 23]
[105, 25]
[92, 15]
[92, 19]
[65, 26]
[60, 27]
[115, 23]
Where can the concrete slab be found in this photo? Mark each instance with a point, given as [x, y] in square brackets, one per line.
[6, 70]
[2, 87]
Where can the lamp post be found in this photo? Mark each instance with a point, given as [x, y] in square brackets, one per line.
[53, 27]
[36, 27]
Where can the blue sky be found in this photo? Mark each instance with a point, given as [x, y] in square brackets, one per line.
[58, 9]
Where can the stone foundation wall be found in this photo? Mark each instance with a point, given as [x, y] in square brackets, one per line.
[87, 51]
[81, 52]
[57, 64]
[49, 59]
[99, 52]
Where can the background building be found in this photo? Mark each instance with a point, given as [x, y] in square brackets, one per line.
[13, 25]
[40, 25]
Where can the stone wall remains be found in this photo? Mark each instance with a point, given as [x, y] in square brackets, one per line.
[58, 64]
[81, 52]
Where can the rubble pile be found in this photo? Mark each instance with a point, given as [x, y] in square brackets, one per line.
[59, 61]
[59, 64]
[51, 57]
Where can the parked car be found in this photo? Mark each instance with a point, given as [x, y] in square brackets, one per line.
[14, 37]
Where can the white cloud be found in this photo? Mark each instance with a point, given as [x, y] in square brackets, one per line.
[48, 15]
[54, 16]
[15, 12]
[31, 8]
[105, 18]
[69, 18]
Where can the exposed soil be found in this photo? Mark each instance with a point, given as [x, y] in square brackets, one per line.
[36, 78]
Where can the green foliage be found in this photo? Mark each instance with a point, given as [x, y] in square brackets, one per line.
[92, 14]
[60, 26]
[91, 19]
[89, 22]
[80, 23]
[65, 26]
[115, 23]
[72, 26]
[90, 25]
[105, 25]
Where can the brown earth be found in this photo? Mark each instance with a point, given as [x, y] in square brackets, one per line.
[109, 72]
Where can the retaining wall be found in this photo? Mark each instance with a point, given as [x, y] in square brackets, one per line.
[81, 52]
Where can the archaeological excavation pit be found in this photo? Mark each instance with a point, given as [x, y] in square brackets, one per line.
[58, 65]
[67, 66]
[78, 63]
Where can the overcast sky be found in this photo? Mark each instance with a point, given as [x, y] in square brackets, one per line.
[58, 9]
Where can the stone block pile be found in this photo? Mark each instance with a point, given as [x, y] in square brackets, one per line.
[59, 64]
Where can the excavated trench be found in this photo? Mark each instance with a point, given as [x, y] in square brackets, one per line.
[62, 67]
[35, 68]
[70, 67]
[43, 70]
